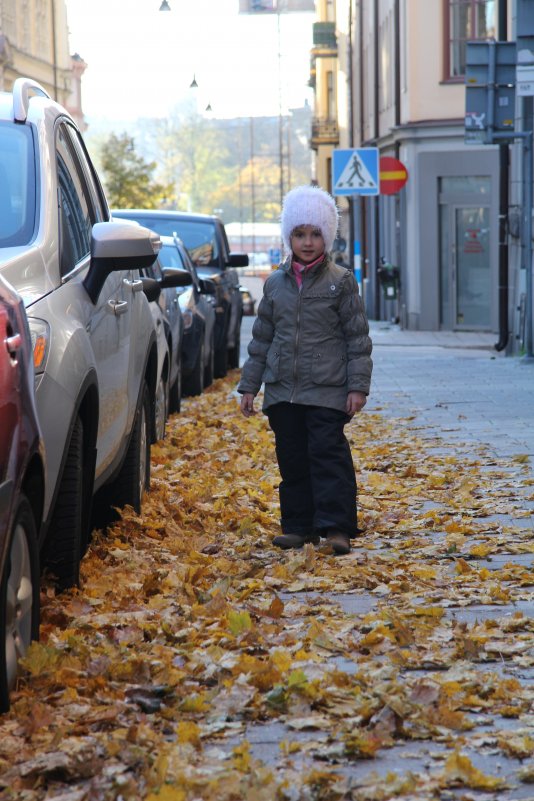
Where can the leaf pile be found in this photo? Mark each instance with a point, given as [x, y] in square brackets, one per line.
[196, 661]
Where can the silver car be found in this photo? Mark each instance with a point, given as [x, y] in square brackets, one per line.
[94, 343]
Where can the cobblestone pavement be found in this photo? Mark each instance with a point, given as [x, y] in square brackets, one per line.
[458, 388]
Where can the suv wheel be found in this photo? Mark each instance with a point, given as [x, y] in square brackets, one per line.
[194, 382]
[234, 353]
[134, 477]
[175, 393]
[162, 408]
[19, 598]
[210, 366]
[67, 532]
[220, 364]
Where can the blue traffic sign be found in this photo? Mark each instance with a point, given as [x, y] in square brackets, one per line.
[355, 171]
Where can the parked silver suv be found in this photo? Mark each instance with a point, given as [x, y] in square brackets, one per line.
[94, 342]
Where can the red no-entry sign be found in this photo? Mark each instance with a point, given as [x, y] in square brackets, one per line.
[393, 175]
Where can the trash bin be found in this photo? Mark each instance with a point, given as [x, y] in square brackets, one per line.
[389, 278]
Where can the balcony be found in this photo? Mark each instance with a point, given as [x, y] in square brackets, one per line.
[324, 132]
[324, 37]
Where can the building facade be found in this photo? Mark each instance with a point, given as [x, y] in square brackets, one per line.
[34, 44]
[401, 74]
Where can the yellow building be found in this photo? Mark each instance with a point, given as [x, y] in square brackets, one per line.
[323, 79]
[390, 75]
[34, 44]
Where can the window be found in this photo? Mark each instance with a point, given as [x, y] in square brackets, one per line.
[330, 98]
[466, 20]
[18, 194]
[75, 210]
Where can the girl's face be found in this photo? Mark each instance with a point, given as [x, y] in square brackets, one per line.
[307, 243]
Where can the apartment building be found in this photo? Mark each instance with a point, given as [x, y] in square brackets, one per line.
[399, 86]
[34, 44]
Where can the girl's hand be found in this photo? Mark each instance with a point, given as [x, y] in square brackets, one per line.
[355, 402]
[247, 404]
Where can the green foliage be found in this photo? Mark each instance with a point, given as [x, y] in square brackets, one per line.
[231, 167]
[191, 163]
[128, 177]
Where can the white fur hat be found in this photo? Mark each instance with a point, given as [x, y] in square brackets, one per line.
[309, 205]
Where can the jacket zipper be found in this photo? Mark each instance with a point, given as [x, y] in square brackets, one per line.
[297, 337]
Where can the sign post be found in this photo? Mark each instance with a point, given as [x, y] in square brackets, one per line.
[355, 171]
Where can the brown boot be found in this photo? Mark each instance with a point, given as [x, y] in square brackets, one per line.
[339, 542]
[287, 541]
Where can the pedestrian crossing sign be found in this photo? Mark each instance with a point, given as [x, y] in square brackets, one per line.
[355, 171]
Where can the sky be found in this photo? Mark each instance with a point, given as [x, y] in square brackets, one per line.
[141, 61]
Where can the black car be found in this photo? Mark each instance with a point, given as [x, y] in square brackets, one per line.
[205, 238]
[197, 305]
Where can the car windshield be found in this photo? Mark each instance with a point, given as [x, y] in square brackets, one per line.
[198, 236]
[17, 185]
[170, 257]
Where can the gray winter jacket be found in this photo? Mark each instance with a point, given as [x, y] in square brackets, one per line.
[312, 345]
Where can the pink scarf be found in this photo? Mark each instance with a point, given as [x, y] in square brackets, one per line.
[299, 269]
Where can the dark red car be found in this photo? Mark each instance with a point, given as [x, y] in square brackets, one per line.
[22, 477]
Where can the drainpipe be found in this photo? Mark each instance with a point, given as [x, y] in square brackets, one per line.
[504, 183]
[352, 209]
[376, 135]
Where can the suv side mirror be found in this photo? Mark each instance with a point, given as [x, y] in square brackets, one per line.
[175, 277]
[207, 286]
[238, 260]
[118, 246]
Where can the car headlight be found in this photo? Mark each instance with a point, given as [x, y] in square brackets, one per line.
[40, 336]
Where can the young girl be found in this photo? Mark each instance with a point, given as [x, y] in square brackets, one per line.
[311, 348]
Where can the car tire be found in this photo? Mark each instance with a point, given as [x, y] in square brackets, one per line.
[220, 362]
[161, 410]
[68, 529]
[19, 597]
[194, 382]
[234, 353]
[175, 393]
[209, 369]
[134, 476]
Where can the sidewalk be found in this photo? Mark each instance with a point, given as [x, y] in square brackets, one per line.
[469, 406]
[197, 662]
[454, 382]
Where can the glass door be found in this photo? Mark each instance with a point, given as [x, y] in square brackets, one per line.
[465, 267]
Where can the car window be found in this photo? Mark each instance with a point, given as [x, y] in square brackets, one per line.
[199, 237]
[101, 213]
[18, 195]
[200, 240]
[74, 208]
[170, 257]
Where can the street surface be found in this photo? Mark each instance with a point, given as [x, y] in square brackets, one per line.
[455, 382]
[198, 663]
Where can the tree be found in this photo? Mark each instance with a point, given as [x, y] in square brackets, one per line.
[128, 178]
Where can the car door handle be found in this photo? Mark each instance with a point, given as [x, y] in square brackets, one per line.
[118, 307]
[13, 344]
[135, 286]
